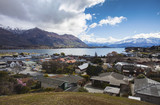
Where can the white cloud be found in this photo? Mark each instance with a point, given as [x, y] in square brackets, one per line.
[92, 39]
[61, 16]
[88, 16]
[109, 21]
[93, 25]
[112, 21]
[147, 35]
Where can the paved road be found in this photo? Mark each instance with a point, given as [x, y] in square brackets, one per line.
[92, 89]
[32, 73]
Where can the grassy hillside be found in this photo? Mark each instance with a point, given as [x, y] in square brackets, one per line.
[65, 98]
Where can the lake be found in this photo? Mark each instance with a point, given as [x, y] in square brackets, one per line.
[70, 51]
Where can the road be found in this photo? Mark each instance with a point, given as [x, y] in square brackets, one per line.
[92, 89]
[28, 71]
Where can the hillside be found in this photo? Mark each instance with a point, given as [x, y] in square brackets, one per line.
[64, 98]
[37, 38]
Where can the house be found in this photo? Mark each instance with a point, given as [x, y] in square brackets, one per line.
[63, 82]
[112, 83]
[112, 78]
[83, 67]
[7, 57]
[3, 66]
[73, 80]
[132, 69]
[12, 64]
[148, 90]
[52, 82]
[29, 63]
[124, 65]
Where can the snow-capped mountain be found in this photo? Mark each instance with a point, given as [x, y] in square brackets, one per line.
[13, 30]
[135, 41]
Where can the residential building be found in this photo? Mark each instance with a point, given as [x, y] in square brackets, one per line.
[3, 66]
[63, 82]
[73, 80]
[148, 90]
[131, 68]
[112, 78]
[12, 64]
[114, 83]
[52, 82]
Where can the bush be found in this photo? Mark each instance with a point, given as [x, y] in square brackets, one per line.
[82, 90]
[62, 54]
[49, 89]
[22, 89]
[19, 76]
[141, 76]
[7, 83]
[45, 75]
[87, 77]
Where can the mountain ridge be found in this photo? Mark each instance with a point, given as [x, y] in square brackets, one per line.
[37, 38]
[131, 42]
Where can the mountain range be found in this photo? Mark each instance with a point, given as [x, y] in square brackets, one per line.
[37, 38]
[130, 42]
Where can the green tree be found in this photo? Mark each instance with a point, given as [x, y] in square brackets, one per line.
[96, 60]
[22, 89]
[94, 70]
[7, 83]
[56, 54]
[62, 54]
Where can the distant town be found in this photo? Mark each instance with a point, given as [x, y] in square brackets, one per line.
[134, 74]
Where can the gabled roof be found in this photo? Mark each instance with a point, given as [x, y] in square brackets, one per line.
[51, 81]
[111, 77]
[71, 78]
[147, 86]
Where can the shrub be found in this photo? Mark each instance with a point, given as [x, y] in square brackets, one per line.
[22, 89]
[141, 76]
[45, 75]
[49, 89]
[82, 90]
[87, 77]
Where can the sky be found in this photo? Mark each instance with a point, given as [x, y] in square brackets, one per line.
[97, 21]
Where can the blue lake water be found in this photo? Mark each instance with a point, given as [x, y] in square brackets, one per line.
[70, 51]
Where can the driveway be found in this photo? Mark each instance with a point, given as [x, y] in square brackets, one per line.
[92, 89]
[28, 71]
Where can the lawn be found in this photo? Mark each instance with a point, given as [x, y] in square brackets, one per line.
[67, 98]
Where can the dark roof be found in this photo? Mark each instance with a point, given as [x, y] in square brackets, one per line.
[71, 78]
[51, 81]
[9, 62]
[111, 77]
[147, 86]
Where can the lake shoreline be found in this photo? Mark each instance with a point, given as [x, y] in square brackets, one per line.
[69, 51]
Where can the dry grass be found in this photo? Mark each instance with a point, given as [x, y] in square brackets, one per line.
[65, 98]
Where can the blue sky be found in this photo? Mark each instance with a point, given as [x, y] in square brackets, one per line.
[90, 20]
[142, 16]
